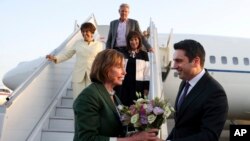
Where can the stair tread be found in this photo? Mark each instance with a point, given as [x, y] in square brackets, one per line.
[62, 117]
[58, 130]
[67, 97]
[61, 125]
[66, 107]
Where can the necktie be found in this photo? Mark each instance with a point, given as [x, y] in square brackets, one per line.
[182, 97]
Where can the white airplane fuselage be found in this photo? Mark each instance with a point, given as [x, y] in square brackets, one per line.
[227, 60]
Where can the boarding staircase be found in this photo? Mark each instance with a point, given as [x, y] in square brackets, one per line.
[61, 123]
[40, 109]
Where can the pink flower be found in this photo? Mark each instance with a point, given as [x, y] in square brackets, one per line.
[149, 108]
[132, 109]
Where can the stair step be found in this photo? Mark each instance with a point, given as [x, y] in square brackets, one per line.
[69, 92]
[67, 101]
[57, 123]
[61, 124]
[64, 111]
[57, 135]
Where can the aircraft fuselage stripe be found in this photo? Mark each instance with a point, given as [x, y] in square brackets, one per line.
[231, 71]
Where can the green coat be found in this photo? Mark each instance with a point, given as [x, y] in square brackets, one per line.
[96, 117]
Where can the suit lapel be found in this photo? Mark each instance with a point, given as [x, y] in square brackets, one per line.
[105, 95]
[116, 23]
[117, 100]
[128, 26]
[193, 94]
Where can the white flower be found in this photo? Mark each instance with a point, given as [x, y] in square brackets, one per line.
[140, 100]
[151, 118]
[120, 107]
[134, 118]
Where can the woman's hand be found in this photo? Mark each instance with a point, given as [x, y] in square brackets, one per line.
[51, 58]
[149, 135]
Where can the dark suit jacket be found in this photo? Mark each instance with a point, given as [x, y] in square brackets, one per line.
[203, 113]
[132, 25]
[96, 118]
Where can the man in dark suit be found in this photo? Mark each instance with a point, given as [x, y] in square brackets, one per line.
[119, 29]
[201, 112]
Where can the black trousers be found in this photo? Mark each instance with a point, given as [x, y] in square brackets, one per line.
[122, 49]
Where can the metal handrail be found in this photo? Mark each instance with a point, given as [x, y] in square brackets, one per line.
[44, 63]
[22, 86]
[17, 92]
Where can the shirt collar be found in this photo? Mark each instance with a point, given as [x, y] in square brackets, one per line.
[193, 81]
[91, 42]
[123, 21]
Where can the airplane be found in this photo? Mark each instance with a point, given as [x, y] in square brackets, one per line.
[4, 93]
[227, 60]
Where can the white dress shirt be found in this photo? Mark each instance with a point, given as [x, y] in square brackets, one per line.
[121, 34]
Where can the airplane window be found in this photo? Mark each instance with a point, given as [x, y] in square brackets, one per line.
[246, 61]
[235, 61]
[212, 59]
[224, 60]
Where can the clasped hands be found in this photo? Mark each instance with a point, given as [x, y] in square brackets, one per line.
[149, 135]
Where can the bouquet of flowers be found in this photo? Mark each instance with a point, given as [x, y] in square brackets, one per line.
[145, 114]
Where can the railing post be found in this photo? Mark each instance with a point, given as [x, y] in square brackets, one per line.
[2, 119]
[156, 85]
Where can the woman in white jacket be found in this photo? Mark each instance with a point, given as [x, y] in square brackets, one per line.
[85, 51]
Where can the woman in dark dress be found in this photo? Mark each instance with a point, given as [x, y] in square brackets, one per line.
[137, 68]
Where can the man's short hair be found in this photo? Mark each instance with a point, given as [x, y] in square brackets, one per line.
[192, 49]
[124, 5]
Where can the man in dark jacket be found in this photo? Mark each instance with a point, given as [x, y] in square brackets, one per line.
[202, 110]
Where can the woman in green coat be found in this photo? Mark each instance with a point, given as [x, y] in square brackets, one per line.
[95, 109]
